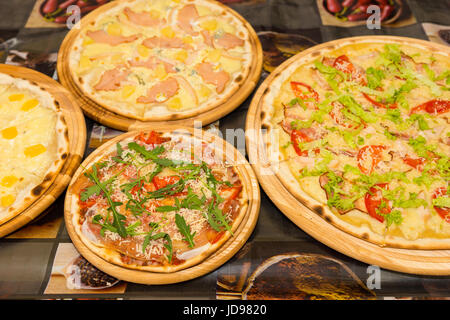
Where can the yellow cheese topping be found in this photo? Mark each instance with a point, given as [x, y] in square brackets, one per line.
[9, 181]
[7, 200]
[9, 133]
[35, 150]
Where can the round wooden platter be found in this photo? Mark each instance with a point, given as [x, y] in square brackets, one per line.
[76, 126]
[425, 262]
[215, 260]
[111, 119]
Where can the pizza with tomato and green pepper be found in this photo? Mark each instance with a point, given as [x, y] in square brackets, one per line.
[360, 134]
[157, 201]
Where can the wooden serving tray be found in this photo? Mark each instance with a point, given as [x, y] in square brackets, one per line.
[214, 261]
[77, 140]
[426, 262]
[111, 119]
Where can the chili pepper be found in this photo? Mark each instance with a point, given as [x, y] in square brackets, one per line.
[89, 8]
[82, 3]
[361, 3]
[382, 2]
[347, 3]
[66, 4]
[386, 11]
[50, 6]
[358, 16]
[61, 19]
[334, 6]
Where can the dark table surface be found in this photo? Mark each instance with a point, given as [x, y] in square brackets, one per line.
[30, 256]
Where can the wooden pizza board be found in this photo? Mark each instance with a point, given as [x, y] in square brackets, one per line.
[77, 141]
[214, 261]
[426, 262]
[111, 119]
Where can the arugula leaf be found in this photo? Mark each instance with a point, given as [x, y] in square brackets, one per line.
[161, 235]
[147, 154]
[185, 230]
[118, 219]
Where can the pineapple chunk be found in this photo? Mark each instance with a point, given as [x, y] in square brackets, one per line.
[127, 91]
[209, 25]
[160, 71]
[214, 55]
[114, 29]
[143, 51]
[175, 103]
[181, 55]
[168, 32]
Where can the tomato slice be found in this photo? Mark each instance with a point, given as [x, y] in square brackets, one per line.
[299, 136]
[379, 104]
[305, 92]
[373, 200]
[339, 118]
[435, 107]
[161, 182]
[368, 157]
[230, 193]
[343, 63]
[152, 138]
[444, 212]
[416, 163]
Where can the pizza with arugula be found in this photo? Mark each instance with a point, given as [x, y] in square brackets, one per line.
[158, 202]
[360, 134]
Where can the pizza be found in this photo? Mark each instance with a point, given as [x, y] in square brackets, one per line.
[33, 141]
[359, 132]
[157, 201]
[162, 59]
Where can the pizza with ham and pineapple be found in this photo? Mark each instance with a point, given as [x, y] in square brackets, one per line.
[161, 59]
[359, 132]
[157, 201]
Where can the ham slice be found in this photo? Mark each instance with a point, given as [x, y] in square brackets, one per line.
[217, 78]
[151, 63]
[229, 41]
[160, 92]
[168, 43]
[102, 36]
[207, 38]
[141, 18]
[111, 79]
[186, 16]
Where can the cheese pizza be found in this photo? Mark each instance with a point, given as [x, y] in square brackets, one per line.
[33, 141]
[157, 201]
[161, 59]
[360, 134]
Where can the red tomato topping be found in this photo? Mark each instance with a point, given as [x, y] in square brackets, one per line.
[416, 163]
[343, 63]
[379, 104]
[373, 200]
[434, 107]
[368, 157]
[444, 212]
[299, 136]
[161, 182]
[305, 92]
[230, 193]
[152, 138]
